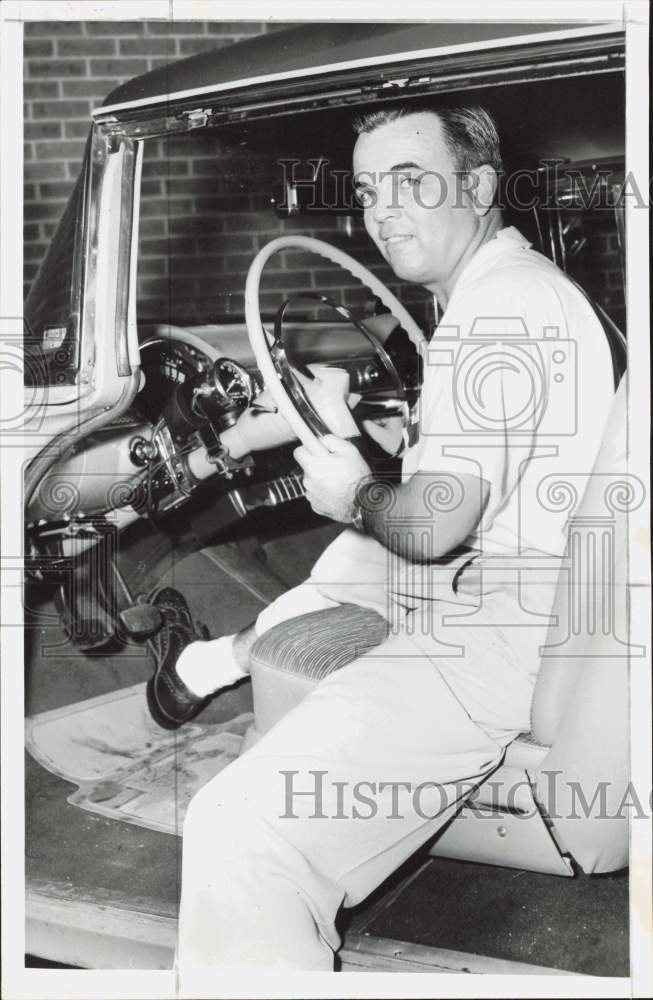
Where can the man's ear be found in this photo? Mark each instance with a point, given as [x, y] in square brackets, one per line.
[482, 188]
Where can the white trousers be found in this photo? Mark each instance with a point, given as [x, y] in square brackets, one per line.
[347, 786]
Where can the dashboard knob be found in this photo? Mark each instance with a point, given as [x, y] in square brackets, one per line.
[142, 451]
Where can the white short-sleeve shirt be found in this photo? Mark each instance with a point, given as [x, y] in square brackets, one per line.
[518, 381]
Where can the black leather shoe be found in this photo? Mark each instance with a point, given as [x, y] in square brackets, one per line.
[170, 701]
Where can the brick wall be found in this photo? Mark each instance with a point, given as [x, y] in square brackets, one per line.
[205, 212]
[70, 67]
[201, 223]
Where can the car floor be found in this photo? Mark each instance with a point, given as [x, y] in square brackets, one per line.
[89, 857]
[578, 925]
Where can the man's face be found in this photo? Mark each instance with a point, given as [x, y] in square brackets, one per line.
[413, 208]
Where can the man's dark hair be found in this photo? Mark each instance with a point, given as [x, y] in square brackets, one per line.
[470, 132]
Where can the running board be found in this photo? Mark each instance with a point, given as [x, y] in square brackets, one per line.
[362, 953]
[104, 936]
[91, 935]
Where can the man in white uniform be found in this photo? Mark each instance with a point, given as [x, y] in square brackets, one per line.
[518, 382]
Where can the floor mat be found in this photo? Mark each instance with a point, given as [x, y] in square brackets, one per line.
[124, 765]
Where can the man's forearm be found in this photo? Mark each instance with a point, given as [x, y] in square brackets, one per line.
[423, 518]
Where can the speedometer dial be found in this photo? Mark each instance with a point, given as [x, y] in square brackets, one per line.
[234, 381]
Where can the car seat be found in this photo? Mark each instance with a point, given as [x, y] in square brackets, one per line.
[558, 797]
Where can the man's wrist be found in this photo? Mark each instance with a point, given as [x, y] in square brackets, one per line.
[358, 511]
[357, 520]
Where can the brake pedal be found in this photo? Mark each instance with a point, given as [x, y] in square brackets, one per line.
[141, 621]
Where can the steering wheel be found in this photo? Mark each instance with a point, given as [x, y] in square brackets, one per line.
[282, 383]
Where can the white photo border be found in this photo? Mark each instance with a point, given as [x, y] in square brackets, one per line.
[20, 982]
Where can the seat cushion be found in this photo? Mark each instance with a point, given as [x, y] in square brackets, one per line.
[315, 644]
[289, 660]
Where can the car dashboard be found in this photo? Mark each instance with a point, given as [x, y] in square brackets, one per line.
[152, 459]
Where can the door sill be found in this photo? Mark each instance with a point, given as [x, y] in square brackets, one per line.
[102, 935]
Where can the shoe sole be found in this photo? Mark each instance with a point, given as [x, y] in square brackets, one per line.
[155, 709]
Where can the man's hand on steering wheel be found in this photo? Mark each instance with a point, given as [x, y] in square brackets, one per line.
[331, 480]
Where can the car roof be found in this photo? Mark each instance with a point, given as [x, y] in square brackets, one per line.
[318, 45]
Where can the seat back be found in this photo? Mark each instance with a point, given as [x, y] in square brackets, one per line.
[580, 704]
[614, 336]
[570, 642]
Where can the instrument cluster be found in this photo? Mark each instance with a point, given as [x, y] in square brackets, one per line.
[168, 365]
